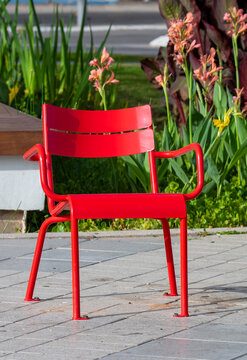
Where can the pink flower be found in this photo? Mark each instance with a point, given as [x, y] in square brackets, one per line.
[208, 70]
[105, 60]
[181, 34]
[97, 85]
[94, 62]
[227, 17]
[236, 99]
[160, 80]
[236, 22]
[179, 59]
[192, 46]
[104, 56]
[109, 61]
[111, 80]
[242, 29]
[97, 75]
[189, 18]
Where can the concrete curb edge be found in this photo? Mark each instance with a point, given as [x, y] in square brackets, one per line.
[127, 233]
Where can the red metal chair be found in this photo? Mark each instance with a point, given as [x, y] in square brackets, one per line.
[80, 133]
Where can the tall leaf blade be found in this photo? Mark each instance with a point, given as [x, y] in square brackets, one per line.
[32, 7]
[79, 45]
[179, 171]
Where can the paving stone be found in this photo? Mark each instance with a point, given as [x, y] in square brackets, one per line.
[214, 332]
[26, 356]
[238, 318]
[50, 352]
[121, 356]
[4, 353]
[121, 245]
[129, 317]
[13, 345]
[182, 348]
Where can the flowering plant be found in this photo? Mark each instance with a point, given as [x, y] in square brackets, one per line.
[206, 57]
[101, 75]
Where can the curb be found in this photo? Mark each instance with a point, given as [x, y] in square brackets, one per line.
[127, 233]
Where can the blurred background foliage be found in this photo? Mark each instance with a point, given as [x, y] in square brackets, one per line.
[34, 70]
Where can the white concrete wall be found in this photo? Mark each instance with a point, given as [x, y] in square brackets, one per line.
[20, 186]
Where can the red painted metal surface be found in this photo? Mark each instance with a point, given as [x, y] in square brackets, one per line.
[95, 146]
[80, 133]
[199, 162]
[98, 122]
[37, 254]
[110, 206]
[169, 259]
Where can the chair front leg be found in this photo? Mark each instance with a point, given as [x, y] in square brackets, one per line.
[184, 268]
[75, 271]
[169, 259]
[36, 260]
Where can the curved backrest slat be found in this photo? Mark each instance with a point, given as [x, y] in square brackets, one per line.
[108, 145]
[87, 121]
[82, 133]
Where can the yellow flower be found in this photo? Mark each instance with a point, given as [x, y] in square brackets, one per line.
[226, 121]
[13, 92]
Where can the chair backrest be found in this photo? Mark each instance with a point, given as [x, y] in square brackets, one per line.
[83, 133]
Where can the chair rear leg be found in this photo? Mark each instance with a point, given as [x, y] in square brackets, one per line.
[36, 260]
[184, 269]
[75, 271]
[169, 258]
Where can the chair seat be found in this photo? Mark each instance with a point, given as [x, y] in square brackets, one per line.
[109, 206]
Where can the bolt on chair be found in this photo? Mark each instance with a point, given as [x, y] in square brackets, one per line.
[95, 134]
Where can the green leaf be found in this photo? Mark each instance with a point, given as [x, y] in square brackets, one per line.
[82, 85]
[193, 91]
[162, 169]
[229, 98]
[213, 171]
[228, 149]
[103, 42]
[201, 107]
[204, 137]
[170, 9]
[179, 171]
[200, 130]
[138, 170]
[79, 48]
[241, 128]
[208, 187]
[32, 7]
[4, 93]
[238, 155]
[186, 136]
[146, 163]
[220, 99]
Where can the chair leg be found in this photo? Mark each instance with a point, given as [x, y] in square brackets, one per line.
[75, 271]
[36, 260]
[184, 269]
[169, 259]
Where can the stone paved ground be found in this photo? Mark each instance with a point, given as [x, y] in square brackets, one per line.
[123, 277]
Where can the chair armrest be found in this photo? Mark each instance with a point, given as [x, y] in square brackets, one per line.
[199, 163]
[37, 153]
[32, 153]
